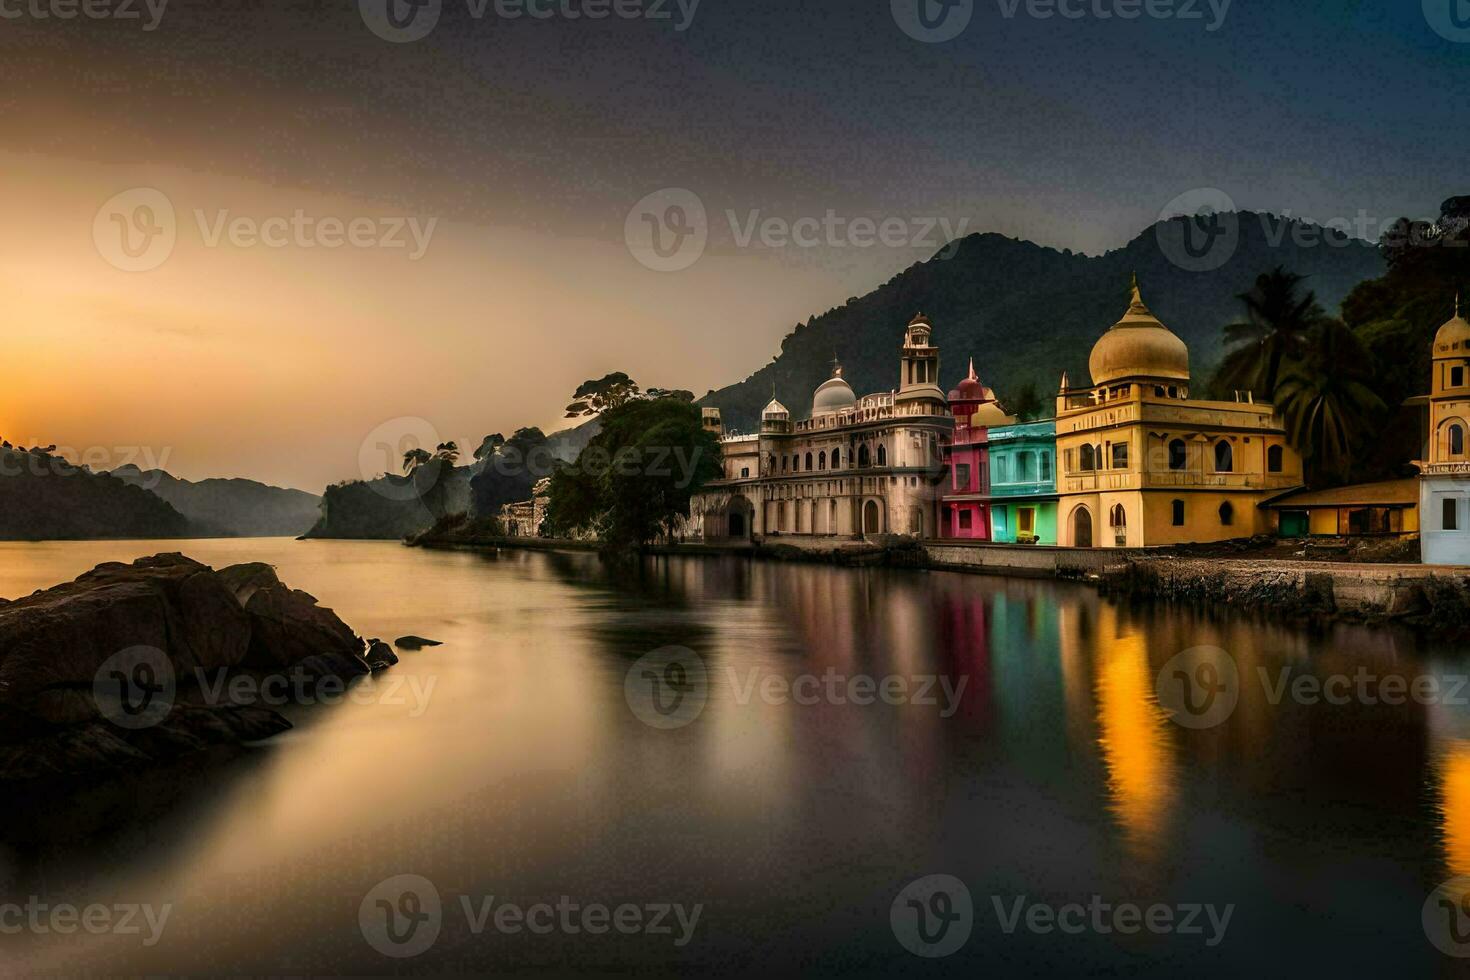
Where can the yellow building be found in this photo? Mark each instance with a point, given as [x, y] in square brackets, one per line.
[1387, 507]
[1139, 463]
[1444, 483]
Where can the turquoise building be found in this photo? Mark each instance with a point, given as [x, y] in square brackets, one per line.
[1023, 483]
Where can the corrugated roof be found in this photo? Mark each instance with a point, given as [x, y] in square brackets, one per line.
[1386, 493]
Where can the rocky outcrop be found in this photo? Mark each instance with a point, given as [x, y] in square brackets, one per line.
[165, 628]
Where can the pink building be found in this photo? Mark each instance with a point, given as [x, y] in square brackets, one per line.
[965, 508]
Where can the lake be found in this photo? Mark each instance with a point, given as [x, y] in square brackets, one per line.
[711, 765]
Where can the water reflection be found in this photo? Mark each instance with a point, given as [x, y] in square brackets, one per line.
[1057, 774]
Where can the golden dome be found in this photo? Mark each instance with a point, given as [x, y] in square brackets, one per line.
[1454, 336]
[1139, 346]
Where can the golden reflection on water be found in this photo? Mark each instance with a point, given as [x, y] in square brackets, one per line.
[1454, 805]
[1133, 735]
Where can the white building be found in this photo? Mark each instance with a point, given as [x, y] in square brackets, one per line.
[853, 467]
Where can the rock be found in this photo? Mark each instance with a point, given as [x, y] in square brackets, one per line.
[411, 642]
[189, 621]
[380, 655]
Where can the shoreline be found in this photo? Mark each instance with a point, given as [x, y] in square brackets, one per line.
[1436, 598]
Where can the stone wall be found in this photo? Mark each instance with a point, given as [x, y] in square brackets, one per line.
[1028, 560]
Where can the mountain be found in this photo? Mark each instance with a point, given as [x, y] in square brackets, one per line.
[1026, 312]
[43, 497]
[232, 508]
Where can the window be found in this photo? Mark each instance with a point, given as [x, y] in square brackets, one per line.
[744, 472]
[836, 458]
[965, 519]
[1274, 457]
[1089, 461]
[1224, 457]
[882, 456]
[863, 458]
[822, 460]
[1002, 469]
[1045, 467]
[808, 462]
[1457, 440]
[1178, 513]
[1120, 455]
[962, 476]
[1457, 377]
[1026, 467]
[785, 463]
[1227, 514]
[1178, 454]
[1026, 520]
[1451, 518]
[1117, 517]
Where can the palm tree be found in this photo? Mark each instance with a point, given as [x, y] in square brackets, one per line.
[415, 458]
[1327, 402]
[1278, 320]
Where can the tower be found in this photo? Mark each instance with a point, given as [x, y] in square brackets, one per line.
[918, 391]
[1449, 392]
[711, 421]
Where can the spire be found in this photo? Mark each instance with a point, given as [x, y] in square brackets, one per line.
[836, 365]
[1457, 302]
[1066, 381]
[972, 376]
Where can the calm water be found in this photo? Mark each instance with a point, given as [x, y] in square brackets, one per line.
[510, 764]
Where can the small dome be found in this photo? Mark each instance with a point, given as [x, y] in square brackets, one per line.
[972, 389]
[1456, 331]
[990, 414]
[834, 394]
[1139, 346]
[774, 408]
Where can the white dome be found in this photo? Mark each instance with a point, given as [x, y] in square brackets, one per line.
[833, 395]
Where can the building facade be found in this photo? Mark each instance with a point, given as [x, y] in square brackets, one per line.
[1023, 488]
[853, 467]
[964, 509]
[1141, 463]
[1444, 481]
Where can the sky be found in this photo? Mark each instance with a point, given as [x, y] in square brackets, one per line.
[269, 239]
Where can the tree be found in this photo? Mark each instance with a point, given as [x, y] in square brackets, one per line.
[489, 446]
[415, 458]
[635, 479]
[1278, 319]
[599, 395]
[1327, 403]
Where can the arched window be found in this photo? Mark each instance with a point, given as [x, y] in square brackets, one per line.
[1178, 454]
[1274, 459]
[836, 458]
[822, 460]
[808, 462]
[863, 458]
[1088, 460]
[1224, 457]
[1117, 517]
[1457, 440]
[785, 463]
[1227, 514]
[882, 456]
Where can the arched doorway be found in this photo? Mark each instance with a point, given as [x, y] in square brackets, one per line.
[1082, 528]
[872, 521]
[916, 521]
